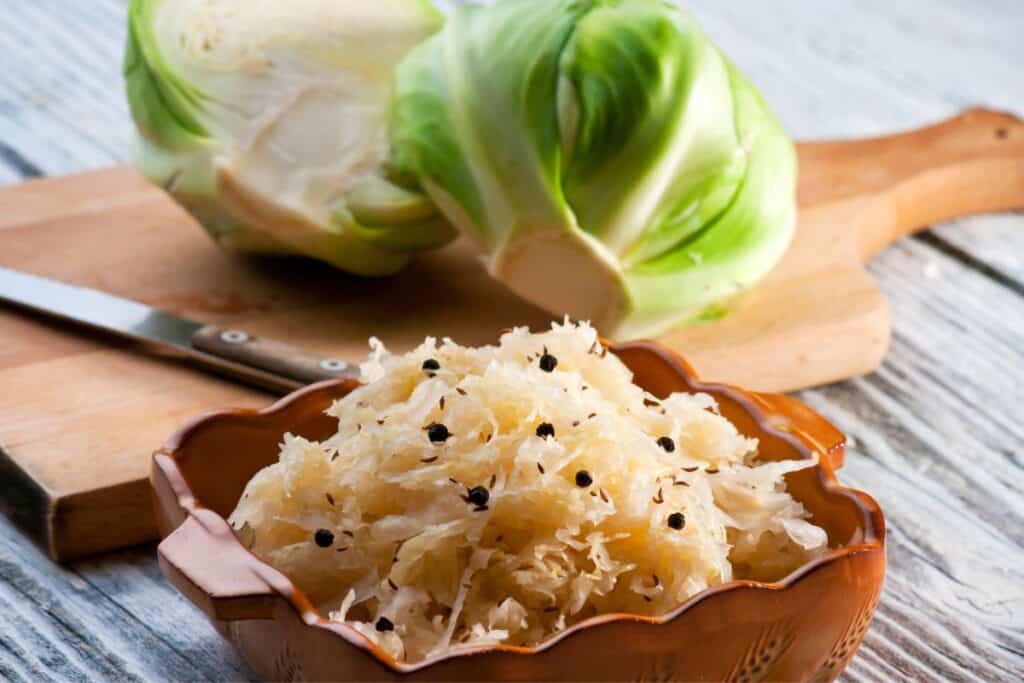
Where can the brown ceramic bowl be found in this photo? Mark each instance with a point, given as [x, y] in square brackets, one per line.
[804, 627]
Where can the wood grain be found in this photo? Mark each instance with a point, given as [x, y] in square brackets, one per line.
[113, 619]
[936, 430]
[271, 355]
[946, 466]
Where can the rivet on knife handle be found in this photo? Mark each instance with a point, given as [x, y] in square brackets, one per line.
[271, 356]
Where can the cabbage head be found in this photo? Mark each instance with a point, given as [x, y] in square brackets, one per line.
[609, 161]
[268, 120]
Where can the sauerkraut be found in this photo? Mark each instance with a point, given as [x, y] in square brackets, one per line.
[501, 494]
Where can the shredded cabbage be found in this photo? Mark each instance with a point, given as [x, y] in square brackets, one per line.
[419, 565]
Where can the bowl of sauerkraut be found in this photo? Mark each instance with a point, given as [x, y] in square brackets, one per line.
[548, 507]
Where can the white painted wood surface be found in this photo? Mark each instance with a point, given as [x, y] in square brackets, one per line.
[937, 434]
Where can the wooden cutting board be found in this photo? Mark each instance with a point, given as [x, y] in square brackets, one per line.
[80, 414]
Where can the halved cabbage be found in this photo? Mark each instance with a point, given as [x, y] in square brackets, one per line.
[268, 121]
[611, 163]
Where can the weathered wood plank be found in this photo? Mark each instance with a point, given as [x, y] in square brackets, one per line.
[14, 166]
[62, 105]
[937, 440]
[873, 67]
[8, 174]
[107, 619]
[991, 243]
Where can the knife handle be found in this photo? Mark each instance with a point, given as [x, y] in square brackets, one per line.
[270, 356]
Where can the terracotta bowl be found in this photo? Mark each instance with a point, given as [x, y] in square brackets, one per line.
[804, 627]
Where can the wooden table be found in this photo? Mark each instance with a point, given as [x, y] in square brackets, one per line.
[936, 435]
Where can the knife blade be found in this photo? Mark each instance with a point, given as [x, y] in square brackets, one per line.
[233, 353]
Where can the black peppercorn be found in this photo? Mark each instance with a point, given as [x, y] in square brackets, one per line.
[667, 444]
[384, 624]
[478, 495]
[431, 365]
[676, 521]
[324, 538]
[545, 429]
[548, 362]
[437, 433]
[583, 479]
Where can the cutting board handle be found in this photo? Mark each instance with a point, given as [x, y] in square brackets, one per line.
[970, 164]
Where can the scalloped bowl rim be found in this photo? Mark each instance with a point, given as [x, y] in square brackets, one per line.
[872, 518]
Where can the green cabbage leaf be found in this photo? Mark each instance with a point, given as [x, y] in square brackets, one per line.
[608, 160]
[268, 121]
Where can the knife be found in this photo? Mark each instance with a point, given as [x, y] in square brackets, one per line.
[233, 353]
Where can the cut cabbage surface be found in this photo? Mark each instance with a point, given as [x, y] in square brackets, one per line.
[501, 494]
[268, 122]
